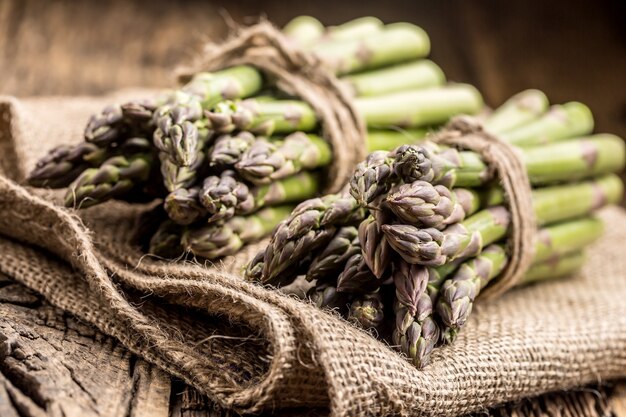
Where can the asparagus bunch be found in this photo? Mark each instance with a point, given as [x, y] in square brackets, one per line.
[421, 228]
[227, 147]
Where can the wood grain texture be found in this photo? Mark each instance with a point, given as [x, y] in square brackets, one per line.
[53, 365]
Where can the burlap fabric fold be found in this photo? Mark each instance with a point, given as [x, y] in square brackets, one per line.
[253, 349]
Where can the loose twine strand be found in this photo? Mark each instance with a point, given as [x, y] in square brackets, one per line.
[307, 76]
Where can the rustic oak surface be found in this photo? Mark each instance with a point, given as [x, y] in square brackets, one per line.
[53, 365]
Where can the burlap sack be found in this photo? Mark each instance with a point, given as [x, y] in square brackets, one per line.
[254, 349]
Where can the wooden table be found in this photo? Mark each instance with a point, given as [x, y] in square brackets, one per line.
[53, 365]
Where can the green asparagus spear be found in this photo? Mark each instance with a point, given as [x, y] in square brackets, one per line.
[563, 266]
[332, 260]
[432, 247]
[311, 226]
[410, 76]
[367, 310]
[115, 178]
[386, 140]
[63, 164]
[183, 206]
[304, 30]
[357, 277]
[354, 29]
[377, 253]
[396, 43]
[326, 296]
[224, 196]
[267, 161]
[166, 241]
[415, 108]
[175, 176]
[415, 331]
[565, 161]
[176, 133]
[116, 123]
[228, 149]
[412, 202]
[459, 292]
[519, 110]
[560, 122]
[218, 240]
[421, 203]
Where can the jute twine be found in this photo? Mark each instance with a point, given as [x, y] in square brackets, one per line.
[300, 74]
[505, 161]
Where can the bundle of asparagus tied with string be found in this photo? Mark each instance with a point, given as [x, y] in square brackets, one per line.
[420, 230]
[228, 153]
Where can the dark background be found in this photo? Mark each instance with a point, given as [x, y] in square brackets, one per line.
[572, 50]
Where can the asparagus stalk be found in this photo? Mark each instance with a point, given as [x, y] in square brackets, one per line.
[310, 227]
[288, 190]
[422, 107]
[335, 255]
[386, 140]
[429, 246]
[560, 122]
[518, 111]
[176, 134]
[577, 159]
[224, 196]
[227, 150]
[415, 330]
[421, 204]
[215, 241]
[566, 161]
[377, 253]
[175, 176]
[63, 164]
[459, 292]
[267, 161]
[116, 123]
[432, 247]
[413, 108]
[183, 206]
[353, 29]
[563, 266]
[402, 77]
[304, 30]
[396, 43]
[166, 242]
[115, 178]
[357, 277]
[326, 296]
[367, 310]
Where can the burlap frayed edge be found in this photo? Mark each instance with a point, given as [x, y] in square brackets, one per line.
[62, 233]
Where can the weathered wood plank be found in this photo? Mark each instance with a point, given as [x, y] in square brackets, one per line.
[51, 363]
